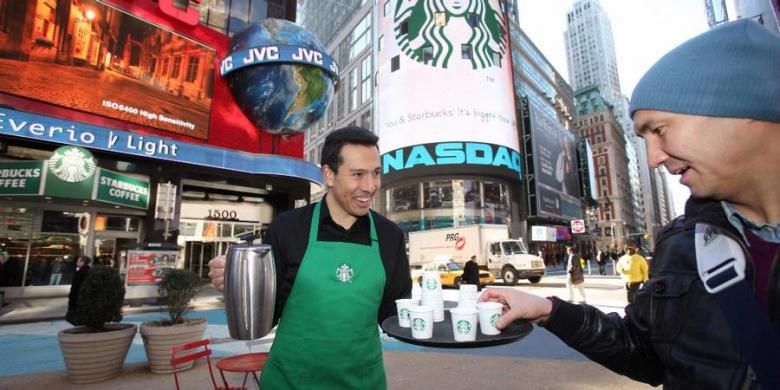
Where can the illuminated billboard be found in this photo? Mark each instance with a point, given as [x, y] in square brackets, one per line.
[445, 102]
[556, 189]
[87, 56]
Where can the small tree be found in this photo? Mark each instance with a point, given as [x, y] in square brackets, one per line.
[100, 298]
[180, 286]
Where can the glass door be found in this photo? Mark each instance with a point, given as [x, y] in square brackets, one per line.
[197, 255]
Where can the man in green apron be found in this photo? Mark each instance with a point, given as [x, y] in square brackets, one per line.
[340, 267]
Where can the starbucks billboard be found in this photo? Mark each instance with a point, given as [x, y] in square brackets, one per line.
[445, 101]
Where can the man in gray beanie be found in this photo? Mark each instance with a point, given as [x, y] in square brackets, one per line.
[709, 317]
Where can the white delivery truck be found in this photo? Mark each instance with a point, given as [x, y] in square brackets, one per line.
[505, 258]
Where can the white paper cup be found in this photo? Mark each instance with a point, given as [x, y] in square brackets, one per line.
[468, 289]
[489, 312]
[464, 324]
[421, 319]
[403, 306]
[431, 282]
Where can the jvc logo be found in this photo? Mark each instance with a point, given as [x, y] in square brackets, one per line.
[452, 237]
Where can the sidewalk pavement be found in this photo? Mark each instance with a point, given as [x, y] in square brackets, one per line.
[18, 311]
[540, 361]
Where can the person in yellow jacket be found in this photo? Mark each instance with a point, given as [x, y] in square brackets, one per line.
[633, 267]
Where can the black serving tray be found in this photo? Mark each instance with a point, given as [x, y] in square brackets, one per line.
[444, 338]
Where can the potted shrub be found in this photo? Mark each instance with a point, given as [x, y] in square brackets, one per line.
[178, 287]
[96, 349]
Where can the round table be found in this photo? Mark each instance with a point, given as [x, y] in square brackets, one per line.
[246, 363]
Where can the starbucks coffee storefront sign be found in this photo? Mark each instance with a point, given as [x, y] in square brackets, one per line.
[21, 178]
[113, 187]
[72, 172]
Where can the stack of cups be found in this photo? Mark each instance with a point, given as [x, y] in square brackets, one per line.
[467, 298]
[489, 312]
[432, 294]
[421, 319]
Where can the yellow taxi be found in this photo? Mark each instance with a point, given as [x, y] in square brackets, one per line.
[450, 273]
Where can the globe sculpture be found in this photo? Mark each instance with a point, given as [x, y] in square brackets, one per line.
[280, 75]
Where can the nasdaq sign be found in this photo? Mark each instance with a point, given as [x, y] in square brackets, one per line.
[450, 157]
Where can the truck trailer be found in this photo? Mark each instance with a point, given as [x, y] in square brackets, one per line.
[506, 258]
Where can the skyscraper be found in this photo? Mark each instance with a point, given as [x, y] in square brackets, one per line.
[590, 50]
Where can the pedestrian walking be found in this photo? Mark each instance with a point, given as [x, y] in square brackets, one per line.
[633, 268]
[576, 276]
[82, 270]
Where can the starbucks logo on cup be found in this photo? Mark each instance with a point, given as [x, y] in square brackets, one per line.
[404, 313]
[431, 284]
[494, 319]
[418, 324]
[463, 327]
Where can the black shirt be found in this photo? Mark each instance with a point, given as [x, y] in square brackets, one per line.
[288, 236]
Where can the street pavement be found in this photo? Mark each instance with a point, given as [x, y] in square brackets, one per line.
[31, 358]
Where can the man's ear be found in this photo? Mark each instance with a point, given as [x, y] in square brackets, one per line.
[329, 176]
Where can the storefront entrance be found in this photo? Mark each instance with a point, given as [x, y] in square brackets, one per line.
[198, 253]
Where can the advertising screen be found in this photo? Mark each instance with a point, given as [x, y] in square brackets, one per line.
[87, 56]
[445, 102]
[148, 266]
[557, 188]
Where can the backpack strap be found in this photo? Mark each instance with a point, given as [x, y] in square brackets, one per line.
[721, 264]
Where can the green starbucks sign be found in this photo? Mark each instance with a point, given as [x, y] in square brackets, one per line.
[21, 178]
[116, 188]
[70, 173]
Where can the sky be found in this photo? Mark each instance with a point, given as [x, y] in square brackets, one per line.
[643, 31]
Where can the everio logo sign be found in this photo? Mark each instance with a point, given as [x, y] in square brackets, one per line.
[439, 32]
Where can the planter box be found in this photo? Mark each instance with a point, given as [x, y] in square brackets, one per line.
[95, 357]
[158, 341]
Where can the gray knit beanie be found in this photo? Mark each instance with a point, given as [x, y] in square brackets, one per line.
[730, 71]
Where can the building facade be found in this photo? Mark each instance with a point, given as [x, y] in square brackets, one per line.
[765, 12]
[120, 141]
[596, 121]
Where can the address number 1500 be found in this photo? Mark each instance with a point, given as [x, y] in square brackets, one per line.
[223, 214]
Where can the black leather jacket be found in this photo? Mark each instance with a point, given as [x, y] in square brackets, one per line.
[674, 333]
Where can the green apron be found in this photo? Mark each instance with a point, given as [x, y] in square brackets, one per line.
[327, 336]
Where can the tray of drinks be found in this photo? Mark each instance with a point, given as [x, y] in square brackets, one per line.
[443, 336]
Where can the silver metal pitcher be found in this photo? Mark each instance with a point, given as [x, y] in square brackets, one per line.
[250, 290]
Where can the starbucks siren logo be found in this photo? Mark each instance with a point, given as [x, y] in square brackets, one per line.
[344, 273]
[404, 313]
[72, 164]
[463, 326]
[418, 324]
[431, 284]
[438, 32]
[494, 319]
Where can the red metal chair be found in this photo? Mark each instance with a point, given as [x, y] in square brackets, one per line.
[189, 353]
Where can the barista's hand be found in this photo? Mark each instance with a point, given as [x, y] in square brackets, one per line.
[217, 272]
[517, 305]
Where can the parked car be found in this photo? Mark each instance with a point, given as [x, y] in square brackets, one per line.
[450, 273]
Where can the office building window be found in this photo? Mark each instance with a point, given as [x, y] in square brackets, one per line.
[365, 83]
[192, 69]
[353, 89]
